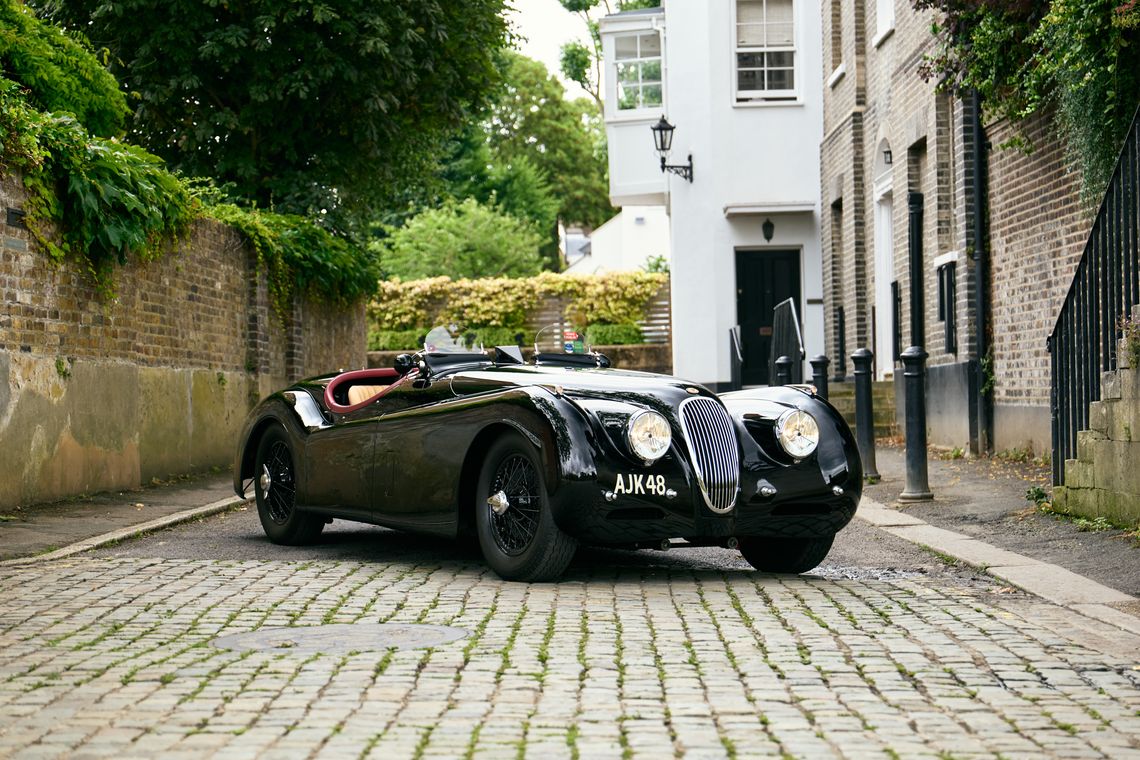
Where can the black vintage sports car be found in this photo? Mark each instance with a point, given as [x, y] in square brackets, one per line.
[535, 458]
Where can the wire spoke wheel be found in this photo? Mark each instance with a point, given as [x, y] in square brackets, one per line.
[516, 527]
[281, 493]
[514, 523]
[275, 469]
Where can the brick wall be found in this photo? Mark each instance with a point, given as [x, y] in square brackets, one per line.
[1038, 229]
[100, 393]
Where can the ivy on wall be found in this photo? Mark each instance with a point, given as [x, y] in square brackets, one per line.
[1079, 57]
[98, 200]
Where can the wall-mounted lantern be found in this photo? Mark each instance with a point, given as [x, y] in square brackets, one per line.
[663, 141]
[768, 229]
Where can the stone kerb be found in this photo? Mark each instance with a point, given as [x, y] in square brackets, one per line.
[1104, 479]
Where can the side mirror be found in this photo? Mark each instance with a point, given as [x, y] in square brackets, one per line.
[404, 363]
[603, 361]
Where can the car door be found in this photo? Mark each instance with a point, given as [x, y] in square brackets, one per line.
[341, 464]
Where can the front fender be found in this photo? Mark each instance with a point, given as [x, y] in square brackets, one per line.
[295, 410]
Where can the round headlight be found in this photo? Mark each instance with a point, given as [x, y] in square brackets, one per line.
[798, 433]
[649, 435]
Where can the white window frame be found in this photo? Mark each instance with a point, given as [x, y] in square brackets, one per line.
[766, 97]
[614, 84]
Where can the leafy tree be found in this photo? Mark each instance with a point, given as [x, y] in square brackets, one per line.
[306, 105]
[472, 169]
[58, 71]
[461, 239]
[583, 64]
[1079, 57]
[531, 119]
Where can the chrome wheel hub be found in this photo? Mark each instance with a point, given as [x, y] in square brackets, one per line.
[499, 502]
[266, 480]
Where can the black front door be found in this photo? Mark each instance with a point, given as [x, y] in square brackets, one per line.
[763, 279]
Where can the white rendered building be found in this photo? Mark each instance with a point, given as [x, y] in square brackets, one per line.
[629, 240]
[741, 82]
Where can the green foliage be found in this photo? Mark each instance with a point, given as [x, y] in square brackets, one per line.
[614, 335]
[101, 201]
[1130, 331]
[516, 187]
[396, 340]
[299, 256]
[657, 264]
[577, 63]
[337, 105]
[530, 118]
[464, 239]
[616, 299]
[106, 198]
[1078, 56]
[58, 72]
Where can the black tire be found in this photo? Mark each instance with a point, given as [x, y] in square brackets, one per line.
[522, 543]
[784, 555]
[275, 483]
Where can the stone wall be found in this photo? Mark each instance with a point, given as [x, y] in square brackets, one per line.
[101, 393]
[1104, 481]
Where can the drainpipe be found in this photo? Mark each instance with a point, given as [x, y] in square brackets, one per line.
[980, 203]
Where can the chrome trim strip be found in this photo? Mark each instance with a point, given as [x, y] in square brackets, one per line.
[713, 449]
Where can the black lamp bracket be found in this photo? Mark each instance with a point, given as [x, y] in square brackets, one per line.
[682, 170]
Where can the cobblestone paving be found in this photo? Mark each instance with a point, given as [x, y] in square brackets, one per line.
[112, 657]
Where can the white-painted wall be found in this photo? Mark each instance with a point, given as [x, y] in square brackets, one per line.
[627, 241]
[751, 163]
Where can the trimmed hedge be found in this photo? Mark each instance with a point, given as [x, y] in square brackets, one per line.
[495, 309]
[614, 335]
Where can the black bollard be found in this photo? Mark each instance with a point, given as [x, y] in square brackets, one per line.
[914, 375]
[783, 370]
[865, 413]
[819, 366]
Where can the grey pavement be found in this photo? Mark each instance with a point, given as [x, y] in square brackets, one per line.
[50, 530]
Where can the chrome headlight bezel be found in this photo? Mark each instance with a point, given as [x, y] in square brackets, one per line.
[649, 435]
[797, 432]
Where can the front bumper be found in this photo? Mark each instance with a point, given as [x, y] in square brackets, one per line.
[806, 504]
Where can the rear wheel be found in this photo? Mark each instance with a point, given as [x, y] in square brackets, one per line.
[785, 555]
[517, 534]
[275, 487]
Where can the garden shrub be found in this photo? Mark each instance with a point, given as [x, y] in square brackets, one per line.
[497, 308]
[614, 335]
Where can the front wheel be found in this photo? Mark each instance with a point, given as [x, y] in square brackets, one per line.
[784, 555]
[275, 487]
[517, 534]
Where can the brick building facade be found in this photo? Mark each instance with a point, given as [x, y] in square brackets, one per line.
[99, 394]
[900, 161]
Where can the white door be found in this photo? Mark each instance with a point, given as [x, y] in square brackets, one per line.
[884, 275]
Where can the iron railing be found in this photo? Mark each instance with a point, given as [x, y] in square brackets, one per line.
[1104, 289]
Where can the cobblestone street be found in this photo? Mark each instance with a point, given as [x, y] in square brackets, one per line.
[113, 657]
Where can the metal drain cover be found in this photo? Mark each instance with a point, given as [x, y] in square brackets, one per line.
[341, 638]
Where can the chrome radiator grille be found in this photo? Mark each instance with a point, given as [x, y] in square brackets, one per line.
[712, 443]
